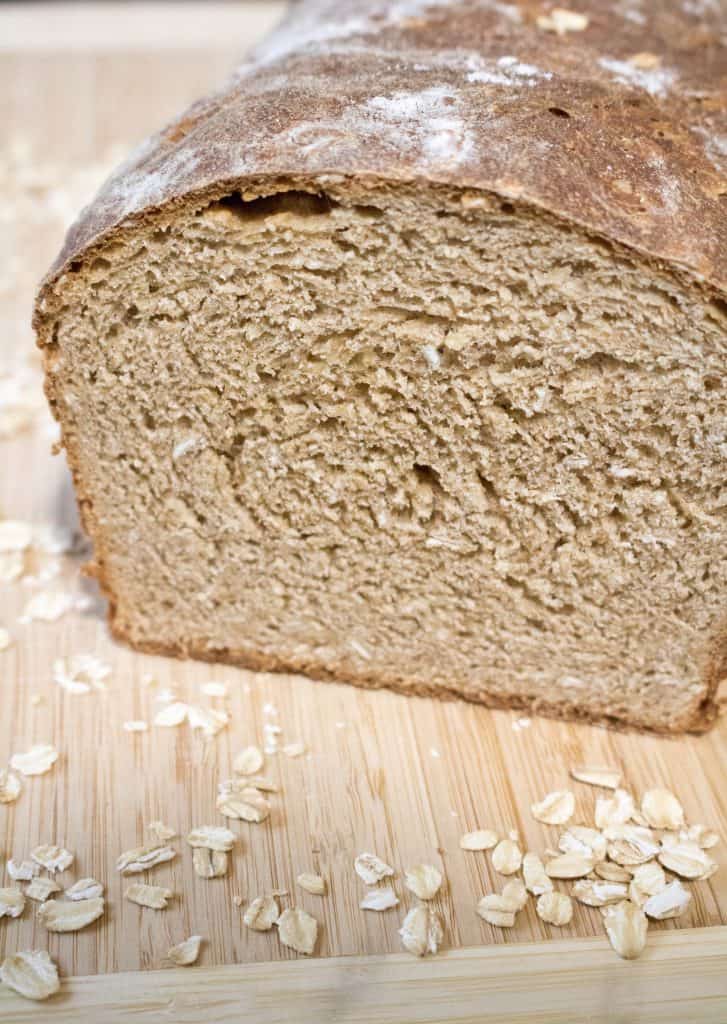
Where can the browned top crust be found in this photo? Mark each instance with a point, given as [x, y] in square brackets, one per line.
[615, 121]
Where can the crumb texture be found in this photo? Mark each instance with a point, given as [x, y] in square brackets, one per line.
[419, 438]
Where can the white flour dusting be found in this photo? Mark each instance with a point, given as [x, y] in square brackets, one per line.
[425, 120]
[657, 81]
[507, 71]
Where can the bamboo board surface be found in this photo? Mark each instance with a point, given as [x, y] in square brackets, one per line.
[403, 777]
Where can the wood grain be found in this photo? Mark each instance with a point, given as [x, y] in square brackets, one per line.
[403, 777]
[568, 982]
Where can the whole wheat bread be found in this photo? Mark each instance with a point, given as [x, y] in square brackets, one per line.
[400, 361]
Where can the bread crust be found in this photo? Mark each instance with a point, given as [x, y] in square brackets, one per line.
[347, 95]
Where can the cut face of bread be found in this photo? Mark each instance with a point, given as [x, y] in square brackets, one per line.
[413, 437]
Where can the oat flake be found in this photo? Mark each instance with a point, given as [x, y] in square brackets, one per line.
[481, 839]
[421, 931]
[314, 884]
[31, 974]
[248, 761]
[52, 858]
[371, 869]
[536, 880]
[506, 857]
[424, 881]
[555, 808]
[555, 908]
[10, 786]
[209, 863]
[41, 889]
[12, 902]
[262, 913]
[37, 761]
[85, 889]
[212, 837]
[379, 899]
[298, 930]
[596, 775]
[144, 857]
[185, 953]
[626, 926]
[155, 897]
[59, 916]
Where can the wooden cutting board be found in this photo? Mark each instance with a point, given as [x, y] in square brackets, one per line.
[402, 777]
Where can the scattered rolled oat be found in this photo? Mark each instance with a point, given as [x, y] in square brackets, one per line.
[12, 902]
[561, 21]
[262, 913]
[662, 809]
[52, 858]
[626, 926]
[671, 901]
[298, 930]
[209, 720]
[31, 974]
[212, 837]
[379, 899]
[294, 749]
[481, 839]
[586, 841]
[507, 857]
[185, 953]
[172, 714]
[80, 673]
[10, 786]
[61, 916]
[155, 897]
[85, 889]
[214, 689]
[15, 535]
[701, 835]
[25, 871]
[161, 832]
[144, 857]
[209, 863]
[421, 931]
[135, 725]
[244, 803]
[263, 783]
[631, 844]
[314, 884]
[555, 808]
[248, 761]
[515, 894]
[41, 889]
[595, 775]
[36, 761]
[615, 810]
[5, 639]
[569, 865]
[47, 606]
[496, 910]
[555, 908]
[423, 880]
[685, 858]
[596, 892]
[371, 869]
[612, 872]
[536, 880]
[648, 880]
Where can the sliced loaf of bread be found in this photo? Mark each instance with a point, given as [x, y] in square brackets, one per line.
[401, 360]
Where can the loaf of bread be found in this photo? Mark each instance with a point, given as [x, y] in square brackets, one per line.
[401, 360]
